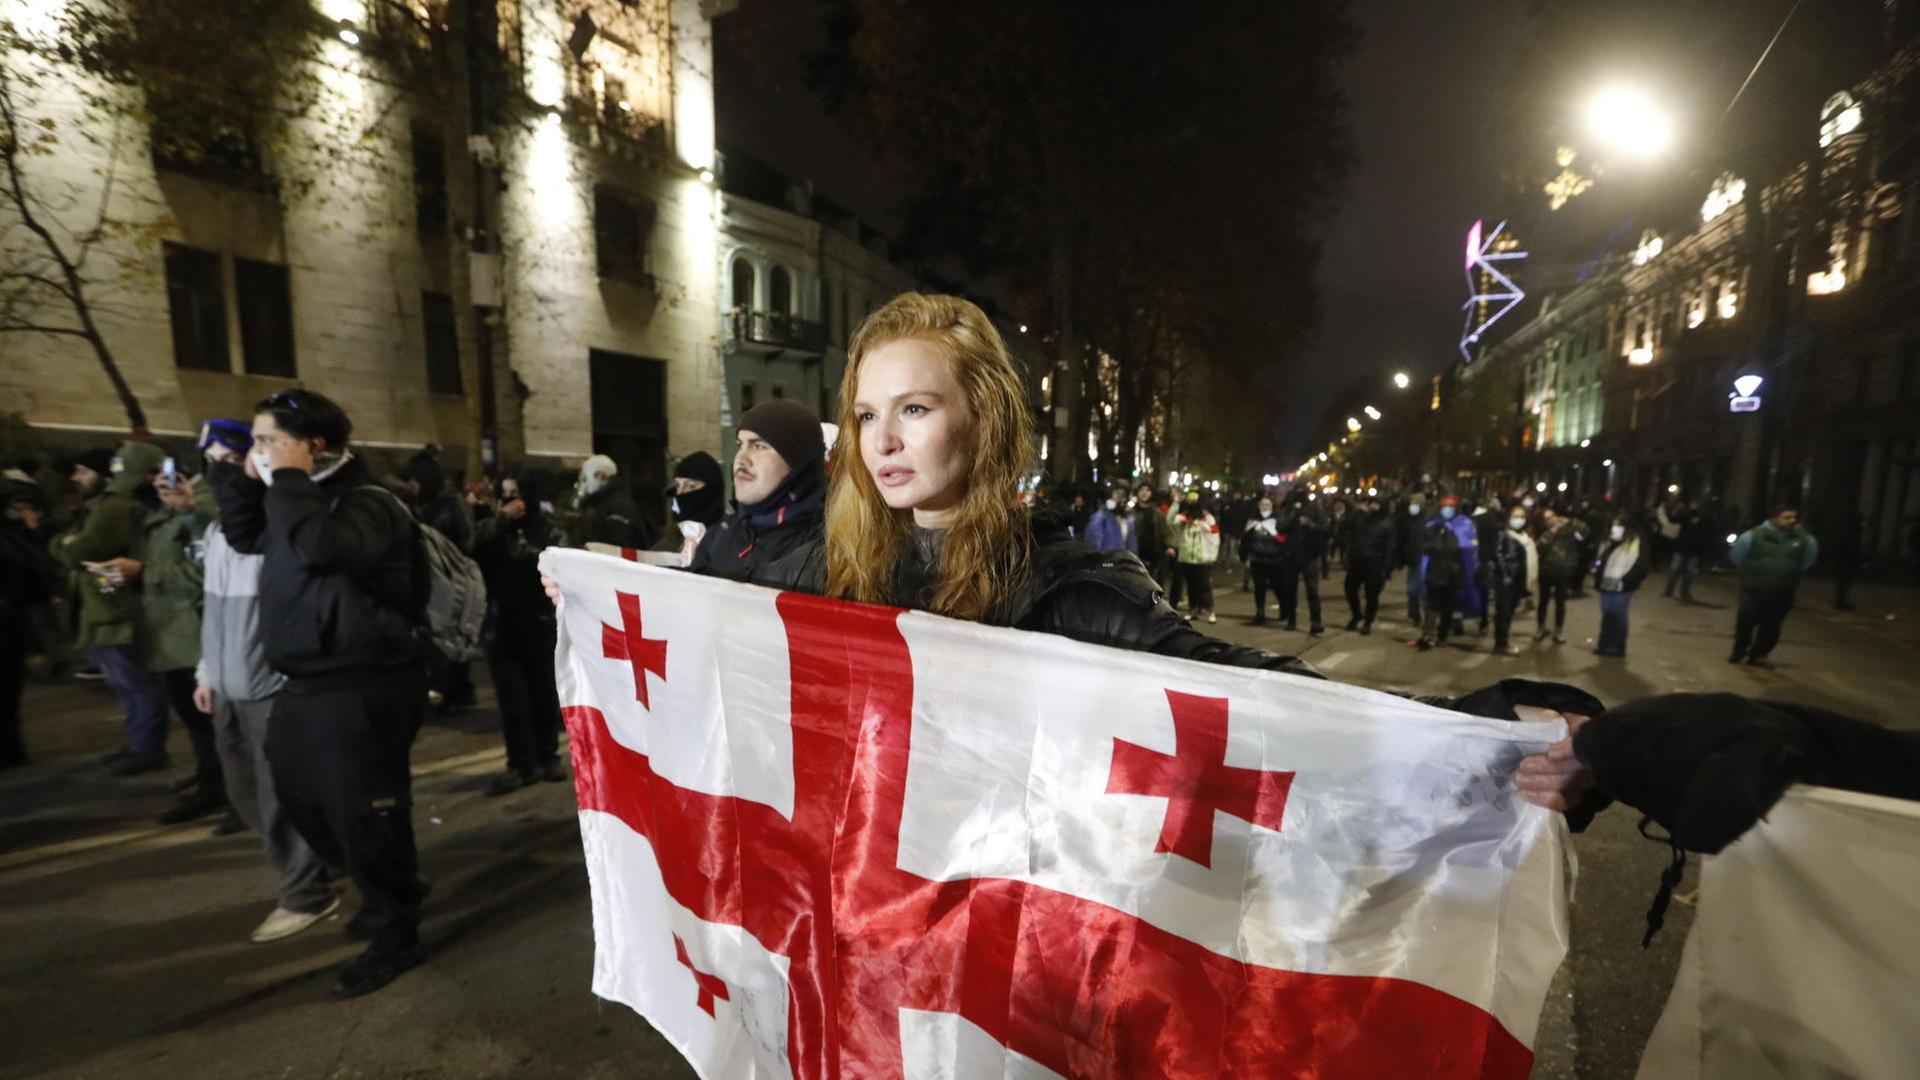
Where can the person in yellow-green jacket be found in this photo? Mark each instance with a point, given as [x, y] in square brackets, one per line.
[100, 553]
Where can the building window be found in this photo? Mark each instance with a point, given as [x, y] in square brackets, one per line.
[779, 391]
[780, 288]
[197, 306]
[261, 292]
[743, 285]
[429, 183]
[746, 397]
[443, 343]
[622, 236]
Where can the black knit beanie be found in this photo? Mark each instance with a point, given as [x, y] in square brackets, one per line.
[789, 427]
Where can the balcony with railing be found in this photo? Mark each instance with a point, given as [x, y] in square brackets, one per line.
[777, 331]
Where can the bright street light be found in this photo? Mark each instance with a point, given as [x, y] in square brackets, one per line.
[1372, 413]
[1628, 121]
[1402, 380]
[1352, 424]
[1584, 443]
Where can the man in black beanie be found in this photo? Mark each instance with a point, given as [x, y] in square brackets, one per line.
[779, 492]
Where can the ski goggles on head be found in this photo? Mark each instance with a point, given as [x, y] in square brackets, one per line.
[231, 434]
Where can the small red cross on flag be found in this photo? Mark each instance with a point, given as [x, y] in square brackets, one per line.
[1196, 779]
[710, 985]
[630, 644]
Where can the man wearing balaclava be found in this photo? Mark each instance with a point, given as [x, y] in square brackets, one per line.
[604, 512]
[779, 492]
[697, 498]
[99, 555]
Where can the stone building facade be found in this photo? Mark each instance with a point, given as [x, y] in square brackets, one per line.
[798, 274]
[457, 264]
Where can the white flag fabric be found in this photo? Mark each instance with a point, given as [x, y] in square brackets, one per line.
[1804, 959]
[829, 839]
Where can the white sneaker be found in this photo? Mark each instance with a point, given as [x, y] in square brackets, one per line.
[281, 923]
[1211, 618]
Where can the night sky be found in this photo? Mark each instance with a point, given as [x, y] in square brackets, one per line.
[1424, 110]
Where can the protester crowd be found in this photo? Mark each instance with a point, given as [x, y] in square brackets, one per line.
[301, 612]
[1467, 561]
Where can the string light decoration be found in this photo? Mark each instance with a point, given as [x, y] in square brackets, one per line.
[1569, 184]
[1487, 284]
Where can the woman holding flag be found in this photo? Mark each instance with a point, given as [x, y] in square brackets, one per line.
[923, 511]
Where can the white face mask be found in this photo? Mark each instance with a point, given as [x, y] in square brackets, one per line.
[1618, 532]
[1528, 503]
[1414, 509]
[265, 470]
[1516, 524]
[1112, 503]
[589, 484]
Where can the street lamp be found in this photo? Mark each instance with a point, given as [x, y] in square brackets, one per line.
[1628, 121]
[1353, 424]
[1402, 380]
[1372, 413]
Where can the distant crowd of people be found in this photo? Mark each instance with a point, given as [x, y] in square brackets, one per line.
[1464, 559]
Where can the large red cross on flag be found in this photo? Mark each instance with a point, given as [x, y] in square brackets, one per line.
[853, 841]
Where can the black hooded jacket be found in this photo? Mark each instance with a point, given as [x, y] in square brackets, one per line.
[337, 590]
[1102, 597]
[508, 553]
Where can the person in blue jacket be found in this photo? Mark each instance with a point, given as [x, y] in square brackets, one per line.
[1111, 527]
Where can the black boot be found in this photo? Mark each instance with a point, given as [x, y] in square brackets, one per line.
[1353, 623]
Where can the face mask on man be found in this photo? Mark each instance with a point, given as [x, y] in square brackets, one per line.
[262, 466]
[1528, 503]
[1447, 512]
[1516, 524]
[1414, 509]
[1618, 532]
[589, 484]
[1113, 504]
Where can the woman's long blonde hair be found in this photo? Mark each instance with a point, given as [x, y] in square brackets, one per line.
[986, 553]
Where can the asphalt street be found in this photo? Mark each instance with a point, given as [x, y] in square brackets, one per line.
[124, 951]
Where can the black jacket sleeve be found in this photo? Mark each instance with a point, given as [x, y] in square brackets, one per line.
[1706, 767]
[350, 531]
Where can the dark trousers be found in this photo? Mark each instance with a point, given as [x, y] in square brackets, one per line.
[1416, 588]
[241, 730]
[1506, 597]
[1266, 578]
[1365, 581]
[178, 685]
[1438, 624]
[339, 753]
[13, 680]
[139, 695]
[1198, 578]
[1292, 575]
[1757, 628]
[522, 667]
[1613, 623]
[1843, 584]
[1553, 594]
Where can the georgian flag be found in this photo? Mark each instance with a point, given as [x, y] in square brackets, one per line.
[828, 839]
